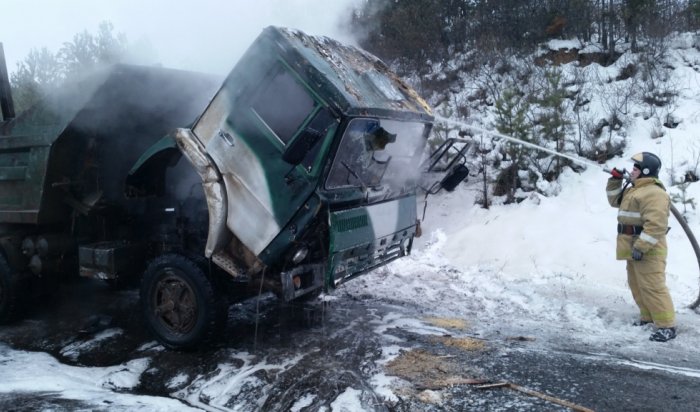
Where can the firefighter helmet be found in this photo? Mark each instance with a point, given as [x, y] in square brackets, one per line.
[648, 163]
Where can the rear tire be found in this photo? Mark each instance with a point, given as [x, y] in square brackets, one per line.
[180, 303]
[12, 293]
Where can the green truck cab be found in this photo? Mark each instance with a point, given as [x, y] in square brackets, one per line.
[295, 173]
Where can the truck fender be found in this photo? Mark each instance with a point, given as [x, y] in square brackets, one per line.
[147, 175]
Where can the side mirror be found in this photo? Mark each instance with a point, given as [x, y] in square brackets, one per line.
[297, 149]
[457, 175]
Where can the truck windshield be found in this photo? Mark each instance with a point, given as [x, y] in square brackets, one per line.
[379, 155]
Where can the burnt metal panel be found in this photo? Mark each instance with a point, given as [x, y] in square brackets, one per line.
[358, 81]
[22, 170]
[111, 259]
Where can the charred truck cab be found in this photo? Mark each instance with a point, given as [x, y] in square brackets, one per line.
[298, 174]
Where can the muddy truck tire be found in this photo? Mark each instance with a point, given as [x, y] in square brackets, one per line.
[180, 303]
[12, 293]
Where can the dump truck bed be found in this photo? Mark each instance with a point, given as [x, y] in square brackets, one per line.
[100, 125]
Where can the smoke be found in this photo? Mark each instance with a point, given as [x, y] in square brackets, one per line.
[207, 35]
[367, 16]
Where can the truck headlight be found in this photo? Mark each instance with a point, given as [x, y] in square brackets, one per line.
[300, 255]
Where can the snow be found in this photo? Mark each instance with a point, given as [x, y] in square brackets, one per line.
[544, 268]
[302, 402]
[348, 401]
[384, 386]
[73, 350]
[229, 381]
[125, 376]
[558, 44]
[178, 381]
[41, 373]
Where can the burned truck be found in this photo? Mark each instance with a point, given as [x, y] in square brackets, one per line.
[296, 172]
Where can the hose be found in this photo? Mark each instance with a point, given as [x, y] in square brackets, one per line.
[693, 242]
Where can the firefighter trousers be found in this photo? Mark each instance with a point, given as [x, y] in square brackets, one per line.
[647, 280]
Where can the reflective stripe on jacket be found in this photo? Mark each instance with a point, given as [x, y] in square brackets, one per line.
[645, 204]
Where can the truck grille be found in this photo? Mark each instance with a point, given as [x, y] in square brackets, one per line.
[355, 222]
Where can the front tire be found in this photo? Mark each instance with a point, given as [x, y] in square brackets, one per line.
[180, 303]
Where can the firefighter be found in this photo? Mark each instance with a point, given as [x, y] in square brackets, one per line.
[642, 225]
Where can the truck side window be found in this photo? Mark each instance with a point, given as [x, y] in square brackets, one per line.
[283, 104]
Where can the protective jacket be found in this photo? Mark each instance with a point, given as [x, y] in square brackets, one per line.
[644, 209]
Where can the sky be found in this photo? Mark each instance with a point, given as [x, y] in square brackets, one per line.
[544, 268]
[203, 35]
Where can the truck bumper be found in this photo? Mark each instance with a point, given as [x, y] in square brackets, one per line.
[301, 280]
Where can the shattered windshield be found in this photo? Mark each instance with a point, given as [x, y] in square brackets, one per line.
[379, 155]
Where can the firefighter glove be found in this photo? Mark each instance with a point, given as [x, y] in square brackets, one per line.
[617, 173]
[637, 254]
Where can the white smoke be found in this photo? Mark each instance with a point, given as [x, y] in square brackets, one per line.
[203, 35]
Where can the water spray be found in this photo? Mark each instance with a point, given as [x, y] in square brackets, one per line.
[677, 214]
[517, 141]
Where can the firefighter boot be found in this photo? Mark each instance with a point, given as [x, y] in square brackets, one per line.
[663, 334]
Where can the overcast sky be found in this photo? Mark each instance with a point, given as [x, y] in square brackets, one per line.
[203, 35]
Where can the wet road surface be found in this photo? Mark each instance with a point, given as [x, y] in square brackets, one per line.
[309, 357]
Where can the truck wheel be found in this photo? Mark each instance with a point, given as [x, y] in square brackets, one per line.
[180, 303]
[11, 293]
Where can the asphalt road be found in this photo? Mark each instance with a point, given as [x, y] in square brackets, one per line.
[342, 344]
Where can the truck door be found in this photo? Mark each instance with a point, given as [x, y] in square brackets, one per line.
[248, 130]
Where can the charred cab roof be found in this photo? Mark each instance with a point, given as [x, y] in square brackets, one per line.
[353, 81]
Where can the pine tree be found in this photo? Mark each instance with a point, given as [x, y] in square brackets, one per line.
[553, 121]
[511, 120]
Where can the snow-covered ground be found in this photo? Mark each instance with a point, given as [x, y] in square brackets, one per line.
[543, 269]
